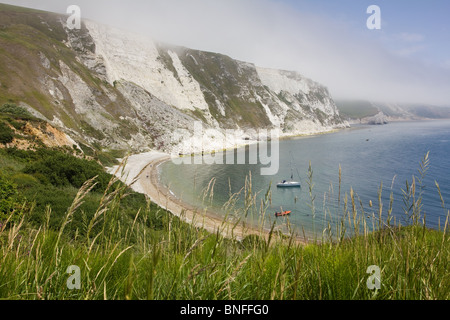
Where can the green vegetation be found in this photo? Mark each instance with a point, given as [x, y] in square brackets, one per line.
[165, 58]
[127, 248]
[322, 116]
[11, 204]
[18, 112]
[222, 78]
[197, 113]
[356, 109]
[62, 170]
[12, 116]
[254, 118]
[6, 133]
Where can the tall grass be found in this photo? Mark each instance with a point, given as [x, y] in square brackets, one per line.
[176, 261]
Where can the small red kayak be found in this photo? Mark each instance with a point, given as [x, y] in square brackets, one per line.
[282, 214]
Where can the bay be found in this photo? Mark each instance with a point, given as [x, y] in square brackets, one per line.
[372, 158]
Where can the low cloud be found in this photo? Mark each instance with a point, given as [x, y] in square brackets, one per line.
[346, 57]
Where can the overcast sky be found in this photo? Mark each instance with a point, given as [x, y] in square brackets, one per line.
[408, 60]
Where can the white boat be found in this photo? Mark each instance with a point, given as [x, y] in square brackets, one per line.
[289, 184]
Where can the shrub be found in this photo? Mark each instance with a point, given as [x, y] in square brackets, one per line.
[23, 180]
[6, 133]
[65, 170]
[15, 110]
[17, 125]
[9, 201]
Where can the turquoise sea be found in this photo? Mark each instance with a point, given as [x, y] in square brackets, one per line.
[369, 156]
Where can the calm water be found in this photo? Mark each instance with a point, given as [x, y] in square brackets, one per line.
[368, 156]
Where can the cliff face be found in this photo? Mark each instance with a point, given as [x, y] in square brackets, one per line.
[115, 90]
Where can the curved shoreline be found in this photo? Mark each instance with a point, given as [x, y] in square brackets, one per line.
[140, 172]
[148, 180]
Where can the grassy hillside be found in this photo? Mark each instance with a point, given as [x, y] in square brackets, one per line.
[226, 80]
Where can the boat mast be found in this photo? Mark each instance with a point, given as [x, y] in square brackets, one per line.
[292, 171]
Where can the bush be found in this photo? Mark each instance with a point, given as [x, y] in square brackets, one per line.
[23, 180]
[13, 109]
[6, 133]
[19, 155]
[65, 170]
[16, 124]
[9, 201]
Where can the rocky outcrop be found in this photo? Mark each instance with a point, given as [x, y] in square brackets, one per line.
[31, 134]
[379, 119]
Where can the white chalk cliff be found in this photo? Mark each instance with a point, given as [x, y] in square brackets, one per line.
[117, 90]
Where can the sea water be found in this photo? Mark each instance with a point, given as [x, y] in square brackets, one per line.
[371, 158]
